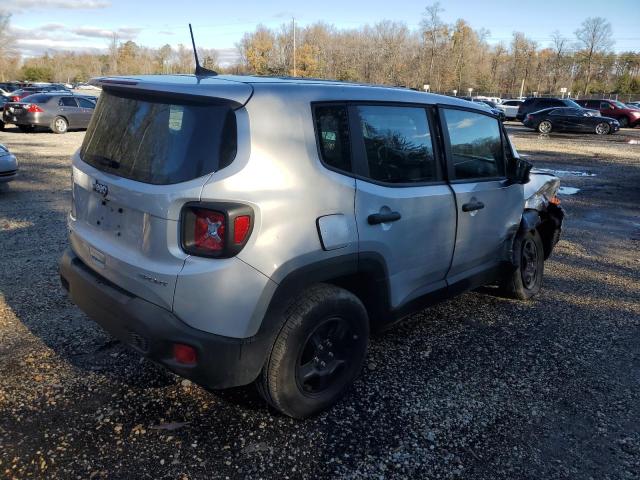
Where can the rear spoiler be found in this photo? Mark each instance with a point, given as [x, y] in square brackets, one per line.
[179, 88]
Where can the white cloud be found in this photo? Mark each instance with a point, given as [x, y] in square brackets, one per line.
[96, 32]
[16, 6]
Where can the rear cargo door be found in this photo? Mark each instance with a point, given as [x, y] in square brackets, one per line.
[144, 156]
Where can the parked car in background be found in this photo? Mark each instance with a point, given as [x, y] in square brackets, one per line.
[3, 100]
[567, 119]
[56, 111]
[231, 251]
[8, 165]
[626, 116]
[534, 104]
[488, 105]
[510, 108]
[23, 92]
[634, 104]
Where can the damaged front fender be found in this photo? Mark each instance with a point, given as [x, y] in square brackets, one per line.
[542, 210]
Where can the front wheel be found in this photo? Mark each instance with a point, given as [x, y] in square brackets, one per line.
[318, 352]
[602, 128]
[545, 126]
[526, 280]
[59, 125]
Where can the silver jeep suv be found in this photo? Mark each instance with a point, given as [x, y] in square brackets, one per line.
[253, 229]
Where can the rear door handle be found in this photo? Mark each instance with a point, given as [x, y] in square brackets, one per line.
[376, 218]
[471, 206]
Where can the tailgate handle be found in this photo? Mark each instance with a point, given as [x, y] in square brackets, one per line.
[376, 218]
[471, 206]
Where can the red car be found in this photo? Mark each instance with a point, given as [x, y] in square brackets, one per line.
[626, 116]
[18, 95]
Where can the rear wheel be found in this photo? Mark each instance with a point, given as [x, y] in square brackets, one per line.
[526, 280]
[59, 125]
[317, 354]
[624, 122]
[545, 126]
[602, 128]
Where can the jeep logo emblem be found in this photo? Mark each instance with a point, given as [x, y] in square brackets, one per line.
[100, 188]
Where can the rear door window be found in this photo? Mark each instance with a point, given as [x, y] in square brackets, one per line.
[159, 140]
[67, 102]
[84, 103]
[475, 145]
[398, 144]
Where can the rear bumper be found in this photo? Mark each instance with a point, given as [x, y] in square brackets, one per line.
[28, 118]
[152, 331]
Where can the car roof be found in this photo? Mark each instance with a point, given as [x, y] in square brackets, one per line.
[232, 86]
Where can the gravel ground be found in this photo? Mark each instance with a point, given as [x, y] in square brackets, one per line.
[478, 387]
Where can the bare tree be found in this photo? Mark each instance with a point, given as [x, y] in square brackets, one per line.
[8, 56]
[594, 36]
[432, 27]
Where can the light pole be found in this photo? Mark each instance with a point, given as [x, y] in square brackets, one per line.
[455, 93]
[469, 90]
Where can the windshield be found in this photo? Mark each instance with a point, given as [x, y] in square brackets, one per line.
[159, 140]
[618, 104]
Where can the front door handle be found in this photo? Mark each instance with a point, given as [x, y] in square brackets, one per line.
[471, 206]
[376, 218]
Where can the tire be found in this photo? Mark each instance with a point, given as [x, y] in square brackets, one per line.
[59, 125]
[1, 126]
[624, 122]
[545, 127]
[603, 128]
[325, 334]
[526, 280]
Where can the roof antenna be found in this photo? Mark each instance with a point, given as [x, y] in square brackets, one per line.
[200, 71]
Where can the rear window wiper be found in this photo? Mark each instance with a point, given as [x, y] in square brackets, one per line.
[106, 162]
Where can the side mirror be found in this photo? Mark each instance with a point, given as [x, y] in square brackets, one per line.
[519, 171]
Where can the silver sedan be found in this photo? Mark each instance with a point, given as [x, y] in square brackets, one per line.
[8, 165]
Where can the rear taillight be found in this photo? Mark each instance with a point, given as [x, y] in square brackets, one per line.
[33, 108]
[208, 230]
[15, 98]
[215, 230]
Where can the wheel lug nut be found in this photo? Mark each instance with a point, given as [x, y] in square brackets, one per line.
[330, 354]
[323, 364]
[316, 359]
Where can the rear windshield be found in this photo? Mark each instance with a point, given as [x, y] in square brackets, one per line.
[159, 140]
[37, 98]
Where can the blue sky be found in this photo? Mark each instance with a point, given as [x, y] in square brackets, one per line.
[87, 24]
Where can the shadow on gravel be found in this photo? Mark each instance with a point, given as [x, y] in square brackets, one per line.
[476, 387]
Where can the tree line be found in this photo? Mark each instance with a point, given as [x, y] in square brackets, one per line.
[444, 56]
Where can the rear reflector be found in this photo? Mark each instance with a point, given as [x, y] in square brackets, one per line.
[185, 354]
[241, 227]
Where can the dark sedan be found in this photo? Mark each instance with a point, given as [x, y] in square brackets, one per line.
[58, 112]
[570, 120]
